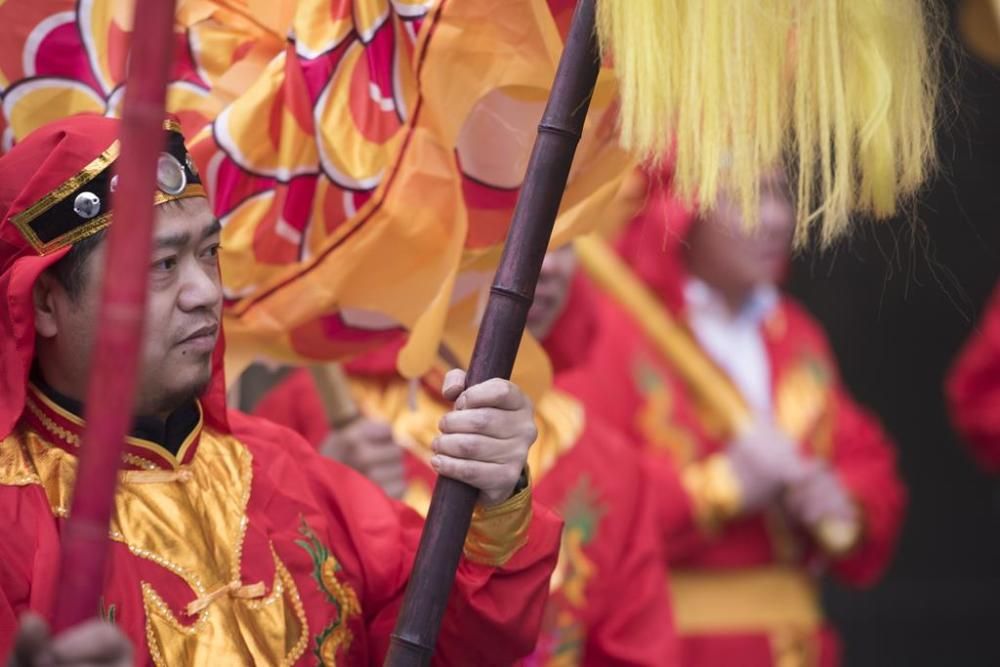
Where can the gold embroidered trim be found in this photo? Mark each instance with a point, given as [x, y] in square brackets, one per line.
[55, 407]
[276, 613]
[73, 439]
[496, 533]
[156, 476]
[714, 491]
[174, 460]
[192, 190]
[138, 461]
[23, 219]
[53, 428]
[78, 234]
[15, 467]
[762, 599]
[283, 581]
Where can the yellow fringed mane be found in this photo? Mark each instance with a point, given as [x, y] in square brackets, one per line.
[842, 91]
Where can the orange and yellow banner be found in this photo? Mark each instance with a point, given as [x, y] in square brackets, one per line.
[364, 156]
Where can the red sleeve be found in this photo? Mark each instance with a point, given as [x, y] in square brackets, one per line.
[29, 558]
[604, 380]
[675, 509]
[494, 613]
[638, 626]
[865, 461]
[973, 390]
[864, 458]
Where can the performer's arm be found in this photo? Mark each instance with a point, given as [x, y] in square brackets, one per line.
[495, 609]
[494, 612]
[973, 390]
[865, 462]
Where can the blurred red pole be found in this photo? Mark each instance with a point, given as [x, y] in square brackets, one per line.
[114, 366]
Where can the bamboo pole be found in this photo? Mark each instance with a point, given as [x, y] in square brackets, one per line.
[115, 359]
[500, 334]
[335, 393]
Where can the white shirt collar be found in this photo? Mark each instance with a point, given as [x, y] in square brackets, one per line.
[735, 340]
[700, 297]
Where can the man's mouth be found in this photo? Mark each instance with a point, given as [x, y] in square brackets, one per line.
[202, 339]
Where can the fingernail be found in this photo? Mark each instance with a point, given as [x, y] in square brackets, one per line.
[460, 403]
[435, 462]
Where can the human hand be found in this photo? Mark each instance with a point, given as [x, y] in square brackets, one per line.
[91, 644]
[369, 447]
[484, 441]
[764, 460]
[817, 495]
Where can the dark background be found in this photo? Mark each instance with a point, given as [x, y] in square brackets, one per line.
[898, 300]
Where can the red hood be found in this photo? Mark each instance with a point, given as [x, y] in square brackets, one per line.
[653, 243]
[56, 158]
[573, 333]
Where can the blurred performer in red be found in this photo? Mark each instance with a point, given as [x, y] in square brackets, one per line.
[973, 389]
[609, 593]
[233, 542]
[770, 472]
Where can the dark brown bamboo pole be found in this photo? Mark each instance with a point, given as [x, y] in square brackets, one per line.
[500, 334]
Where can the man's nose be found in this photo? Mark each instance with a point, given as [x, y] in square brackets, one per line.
[201, 288]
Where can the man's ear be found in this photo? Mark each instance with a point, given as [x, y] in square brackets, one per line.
[44, 296]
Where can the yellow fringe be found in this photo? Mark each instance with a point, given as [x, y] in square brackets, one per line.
[842, 91]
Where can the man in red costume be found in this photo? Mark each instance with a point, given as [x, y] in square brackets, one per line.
[733, 389]
[608, 604]
[973, 389]
[233, 542]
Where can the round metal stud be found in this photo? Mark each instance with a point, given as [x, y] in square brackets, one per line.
[113, 186]
[87, 205]
[170, 176]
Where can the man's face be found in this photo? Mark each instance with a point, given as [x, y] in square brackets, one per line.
[552, 291]
[725, 252]
[182, 313]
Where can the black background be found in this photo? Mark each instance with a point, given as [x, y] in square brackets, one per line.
[898, 300]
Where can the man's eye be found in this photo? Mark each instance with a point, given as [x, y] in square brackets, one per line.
[165, 264]
[213, 250]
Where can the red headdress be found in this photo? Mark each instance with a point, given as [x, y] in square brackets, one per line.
[653, 243]
[56, 188]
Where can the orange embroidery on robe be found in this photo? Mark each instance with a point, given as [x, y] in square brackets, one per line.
[582, 512]
[335, 639]
[654, 417]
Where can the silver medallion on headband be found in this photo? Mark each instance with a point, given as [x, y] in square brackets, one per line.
[170, 176]
[87, 205]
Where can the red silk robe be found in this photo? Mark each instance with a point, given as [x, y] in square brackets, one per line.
[608, 604]
[743, 592]
[973, 389]
[249, 548]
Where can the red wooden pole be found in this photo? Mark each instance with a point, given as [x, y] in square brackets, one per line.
[115, 360]
[500, 332]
